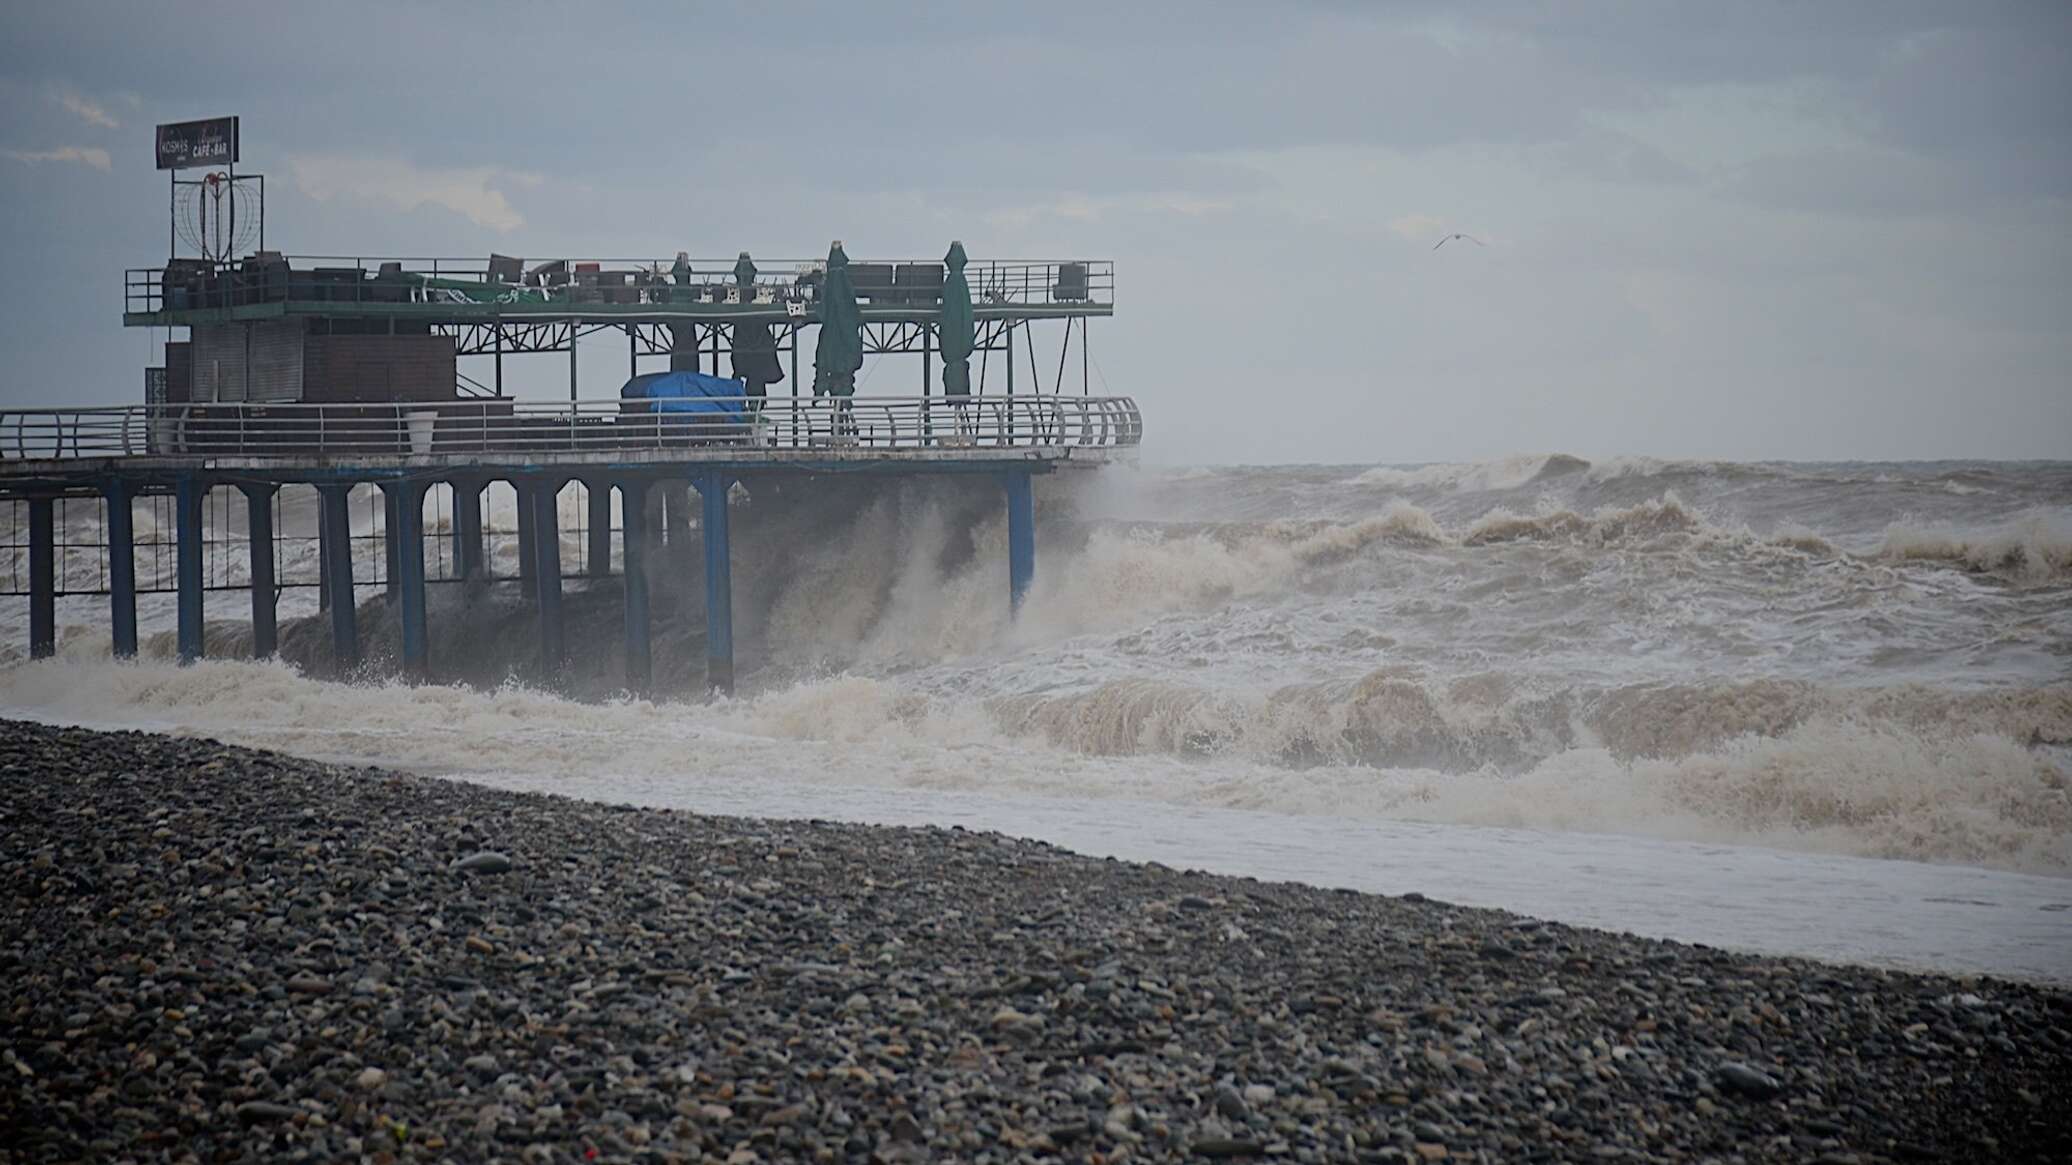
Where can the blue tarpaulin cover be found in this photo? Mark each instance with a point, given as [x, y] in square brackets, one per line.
[689, 392]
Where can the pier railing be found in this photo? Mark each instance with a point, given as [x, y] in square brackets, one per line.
[191, 285]
[535, 428]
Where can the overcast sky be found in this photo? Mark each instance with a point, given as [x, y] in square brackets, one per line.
[1742, 230]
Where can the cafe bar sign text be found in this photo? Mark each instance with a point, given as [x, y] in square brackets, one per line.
[211, 142]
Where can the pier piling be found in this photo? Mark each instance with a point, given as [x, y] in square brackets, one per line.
[336, 551]
[528, 550]
[407, 543]
[467, 526]
[719, 584]
[122, 568]
[598, 495]
[1021, 536]
[43, 584]
[633, 546]
[546, 543]
[259, 538]
[187, 501]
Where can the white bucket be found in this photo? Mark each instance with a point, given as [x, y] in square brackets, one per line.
[420, 431]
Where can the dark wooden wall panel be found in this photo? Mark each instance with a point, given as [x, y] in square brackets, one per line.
[371, 369]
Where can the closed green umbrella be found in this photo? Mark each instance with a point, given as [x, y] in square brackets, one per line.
[959, 332]
[838, 353]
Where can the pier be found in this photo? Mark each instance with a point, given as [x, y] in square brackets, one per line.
[333, 375]
[384, 382]
[99, 458]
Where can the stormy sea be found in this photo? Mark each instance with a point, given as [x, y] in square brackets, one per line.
[1814, 709]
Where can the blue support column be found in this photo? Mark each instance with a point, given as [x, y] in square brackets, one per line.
[719, 584]
[640, 664]
[1021, 536]
[122, 569]
[259, 541]
[187, 499]
[43, 578]
[337, 553]
[546, 570]
[467, 527]
[407, 507]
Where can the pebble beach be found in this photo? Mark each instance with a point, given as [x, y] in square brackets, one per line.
[216, 954]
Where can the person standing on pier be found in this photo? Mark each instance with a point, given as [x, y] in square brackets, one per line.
[755, 349]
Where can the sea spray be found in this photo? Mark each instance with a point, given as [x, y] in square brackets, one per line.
[1857, 659]
[1886, 773]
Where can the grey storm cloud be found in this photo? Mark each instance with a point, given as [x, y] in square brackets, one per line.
[1718, 229]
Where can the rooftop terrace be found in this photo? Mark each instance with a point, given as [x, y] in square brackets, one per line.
[437, 290]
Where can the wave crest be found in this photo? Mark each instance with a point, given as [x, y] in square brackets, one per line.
[1502, 473]
[1905, 771]
[2033, 549]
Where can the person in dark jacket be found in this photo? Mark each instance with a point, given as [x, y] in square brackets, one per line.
[755, 347]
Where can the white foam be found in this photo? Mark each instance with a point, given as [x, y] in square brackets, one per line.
[2034, 547]
[1849, 780]
[1642, 667]
[1500, 473]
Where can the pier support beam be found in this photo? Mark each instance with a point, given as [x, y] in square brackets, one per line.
[122, 568]
[633, 528]
[719, 584]
[187, 500]
[43, 578]
[407, 545]
[336, 550]
[467, 527]
[546, 542]
[528, 550]
[1021, 536]
[259, 540]
[599, 495]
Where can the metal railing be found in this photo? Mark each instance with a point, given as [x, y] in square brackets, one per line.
[479, 428]
[792, 285]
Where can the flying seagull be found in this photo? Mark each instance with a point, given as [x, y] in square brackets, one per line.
[1458, 235]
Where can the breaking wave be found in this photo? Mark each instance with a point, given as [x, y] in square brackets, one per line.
[2034, 549]
[1476, 476]
[1691, 650]
[1494, 722]
[1902, 772]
